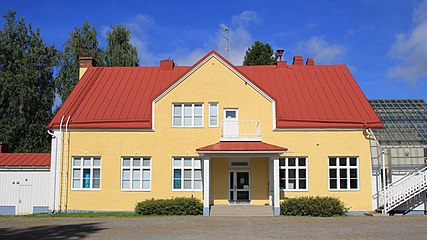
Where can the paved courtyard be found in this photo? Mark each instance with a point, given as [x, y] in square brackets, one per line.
[188, 227]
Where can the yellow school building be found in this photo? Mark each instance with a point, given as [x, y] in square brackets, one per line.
[225, 134]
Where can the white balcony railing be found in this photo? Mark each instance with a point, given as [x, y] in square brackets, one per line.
[240, 130]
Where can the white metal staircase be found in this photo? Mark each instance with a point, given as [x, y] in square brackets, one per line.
[402, 190]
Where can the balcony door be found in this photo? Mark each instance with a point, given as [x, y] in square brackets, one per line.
[231, 122]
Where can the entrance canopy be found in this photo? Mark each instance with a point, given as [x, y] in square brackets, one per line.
[256, 147]
[242, 149]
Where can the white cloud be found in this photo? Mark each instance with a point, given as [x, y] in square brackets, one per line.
[360, 29]
[420, 13]
[244, 18]
[104, 30]
[241, 40]
[187, 57]
[322, 51]
[139, 26]
[411, 49]
[144, 27]
[144, 54]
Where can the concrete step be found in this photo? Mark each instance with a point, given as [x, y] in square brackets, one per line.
[241, 210]
[376, 214]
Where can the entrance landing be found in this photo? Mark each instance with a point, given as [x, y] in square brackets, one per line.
[241, 210]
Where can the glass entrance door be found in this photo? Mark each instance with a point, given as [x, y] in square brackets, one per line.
[239, 187]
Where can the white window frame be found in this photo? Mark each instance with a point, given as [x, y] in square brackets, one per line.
[182, 168]
[81, 167]
[141, 169]
[231, 109]
[192, 115]
[286, 167]
[217, 114]
[347, 167]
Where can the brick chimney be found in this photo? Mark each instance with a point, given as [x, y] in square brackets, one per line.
[4, 148]
[309, 62]
[84, 64]
[166, 64]
[281, 64]
[298, 61]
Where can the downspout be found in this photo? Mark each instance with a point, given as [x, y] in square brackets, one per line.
[66, 161]
[54, 176]
[384, 180]
[56, 162]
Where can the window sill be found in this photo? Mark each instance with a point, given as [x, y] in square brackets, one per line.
[344, 190]
[86, 189]
[135, 190]
[294, 190]
[187, 190]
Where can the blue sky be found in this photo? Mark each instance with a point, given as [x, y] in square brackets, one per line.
[383, 42]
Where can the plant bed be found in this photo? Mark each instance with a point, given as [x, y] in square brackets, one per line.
[174, 206]
[313, 206]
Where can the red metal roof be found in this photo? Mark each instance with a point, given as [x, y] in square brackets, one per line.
[24, 159]
[322, 96]
[325, 96]
[116, 97]
[242, 147]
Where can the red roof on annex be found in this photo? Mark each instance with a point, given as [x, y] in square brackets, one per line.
[24, 159]
[306, 96]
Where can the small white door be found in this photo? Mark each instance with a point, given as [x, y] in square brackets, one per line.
[231, 123]
[25, 199]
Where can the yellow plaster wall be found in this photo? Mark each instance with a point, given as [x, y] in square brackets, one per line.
[219, 176]
[259, 180]
[212, 82]
[318, 146]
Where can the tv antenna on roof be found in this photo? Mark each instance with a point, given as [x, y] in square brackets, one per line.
[226, 30]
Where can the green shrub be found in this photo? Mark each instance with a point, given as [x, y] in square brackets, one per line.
[174, 206]
[313, 206]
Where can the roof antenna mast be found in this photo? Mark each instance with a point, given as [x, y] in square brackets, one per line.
[227, 37]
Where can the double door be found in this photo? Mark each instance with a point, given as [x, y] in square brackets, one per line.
[239, 186]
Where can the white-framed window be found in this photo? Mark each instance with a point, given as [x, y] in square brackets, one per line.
[86, 173]
[343, 173]
[187, 115]
[213, 114]
[136, 174]
[293, 173]
[186, 174]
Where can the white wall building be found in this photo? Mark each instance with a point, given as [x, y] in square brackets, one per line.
[24, 182]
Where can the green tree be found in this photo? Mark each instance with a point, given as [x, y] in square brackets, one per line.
[259, 54]
[81, 43]
[120, 52]
[26, 86]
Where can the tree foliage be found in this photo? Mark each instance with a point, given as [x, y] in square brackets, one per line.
[259, 54]
[81, 43]
[26, 86]
[120, 52]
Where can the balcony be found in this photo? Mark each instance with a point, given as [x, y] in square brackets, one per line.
[240, 130]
